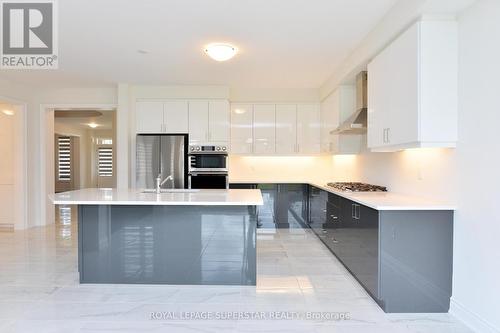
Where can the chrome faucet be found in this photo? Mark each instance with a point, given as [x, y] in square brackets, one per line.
[159, 182]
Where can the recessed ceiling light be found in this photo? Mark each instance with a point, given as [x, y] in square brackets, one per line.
[240, 111]
[220, 51]
[92, 125]
[8, 112]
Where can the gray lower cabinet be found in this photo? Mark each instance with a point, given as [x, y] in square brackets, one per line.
[286, 205]
[402, 258]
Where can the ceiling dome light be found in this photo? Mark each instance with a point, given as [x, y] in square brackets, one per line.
[220, 52]
[93, 125]
[8, 112]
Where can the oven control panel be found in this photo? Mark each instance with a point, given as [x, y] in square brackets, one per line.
[193, 149]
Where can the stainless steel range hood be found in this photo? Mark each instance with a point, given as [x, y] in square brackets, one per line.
[356, 124]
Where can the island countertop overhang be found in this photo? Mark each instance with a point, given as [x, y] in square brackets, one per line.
[203, 197]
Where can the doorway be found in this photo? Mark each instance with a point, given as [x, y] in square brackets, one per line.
[84, 149]
[84, 156]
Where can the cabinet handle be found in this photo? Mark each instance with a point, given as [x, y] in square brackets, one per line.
[359, 212]
[388, 135]
[384, 135]
[353, 211]
[298, 147]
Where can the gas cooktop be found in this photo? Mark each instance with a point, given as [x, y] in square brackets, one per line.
[357, 187]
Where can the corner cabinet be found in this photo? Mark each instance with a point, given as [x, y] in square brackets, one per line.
[412, 89]
[335, 109]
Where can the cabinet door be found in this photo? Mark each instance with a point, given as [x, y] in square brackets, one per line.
[393, 93]
[218, 121]
[198, 122]
[286, 128]
[176, 117]
[308, 128]
[264, 121]
[149, 117]
[317, 209]
[329, 116]
[241, 129]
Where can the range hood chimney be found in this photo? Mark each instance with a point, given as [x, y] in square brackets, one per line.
[356, 124]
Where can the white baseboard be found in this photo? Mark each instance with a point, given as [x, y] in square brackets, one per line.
[6, 226]
[471, 319]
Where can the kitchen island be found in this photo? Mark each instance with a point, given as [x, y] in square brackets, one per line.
[201, 237]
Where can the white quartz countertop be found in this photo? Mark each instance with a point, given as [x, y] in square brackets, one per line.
[376, 200]
[204, 197]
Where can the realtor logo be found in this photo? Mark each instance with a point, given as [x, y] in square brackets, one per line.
[29, 39]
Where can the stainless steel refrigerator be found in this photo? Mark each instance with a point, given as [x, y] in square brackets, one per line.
[162, 155]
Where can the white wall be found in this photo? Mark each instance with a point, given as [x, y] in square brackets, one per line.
[280, 168]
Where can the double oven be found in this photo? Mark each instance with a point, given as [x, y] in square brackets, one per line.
[208, 167]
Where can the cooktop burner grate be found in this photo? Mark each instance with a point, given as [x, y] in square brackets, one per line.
[357, 187]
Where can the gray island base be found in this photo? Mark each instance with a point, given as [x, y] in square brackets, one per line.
[156, 244]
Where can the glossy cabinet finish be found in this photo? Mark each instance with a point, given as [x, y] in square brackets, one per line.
[242, 128]
[218, 121]
[402, 258]
[209, 122]
[275, 129]
[290, 205]
[412, 89]
[264, 128]
[167, 245]
[162, 117]
[285, 205]
[286, 129]
[198, 122]
[308, 129]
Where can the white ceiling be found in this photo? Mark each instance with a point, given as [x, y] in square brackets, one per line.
[282, 43]
[105, 121]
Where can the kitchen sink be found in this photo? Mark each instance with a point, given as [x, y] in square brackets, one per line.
[171, 190]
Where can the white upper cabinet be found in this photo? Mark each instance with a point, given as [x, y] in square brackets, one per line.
[412, 89]
[175, 117]
[218, 121]
[242, 128]
[149, 117]
[209, 122]
[286, 129]
[198, 122]
[308, 129]
[335, 109]
[264, 121]
[161, 117]
[275, 129]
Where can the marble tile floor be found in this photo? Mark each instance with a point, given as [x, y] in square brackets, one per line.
[297, 275]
